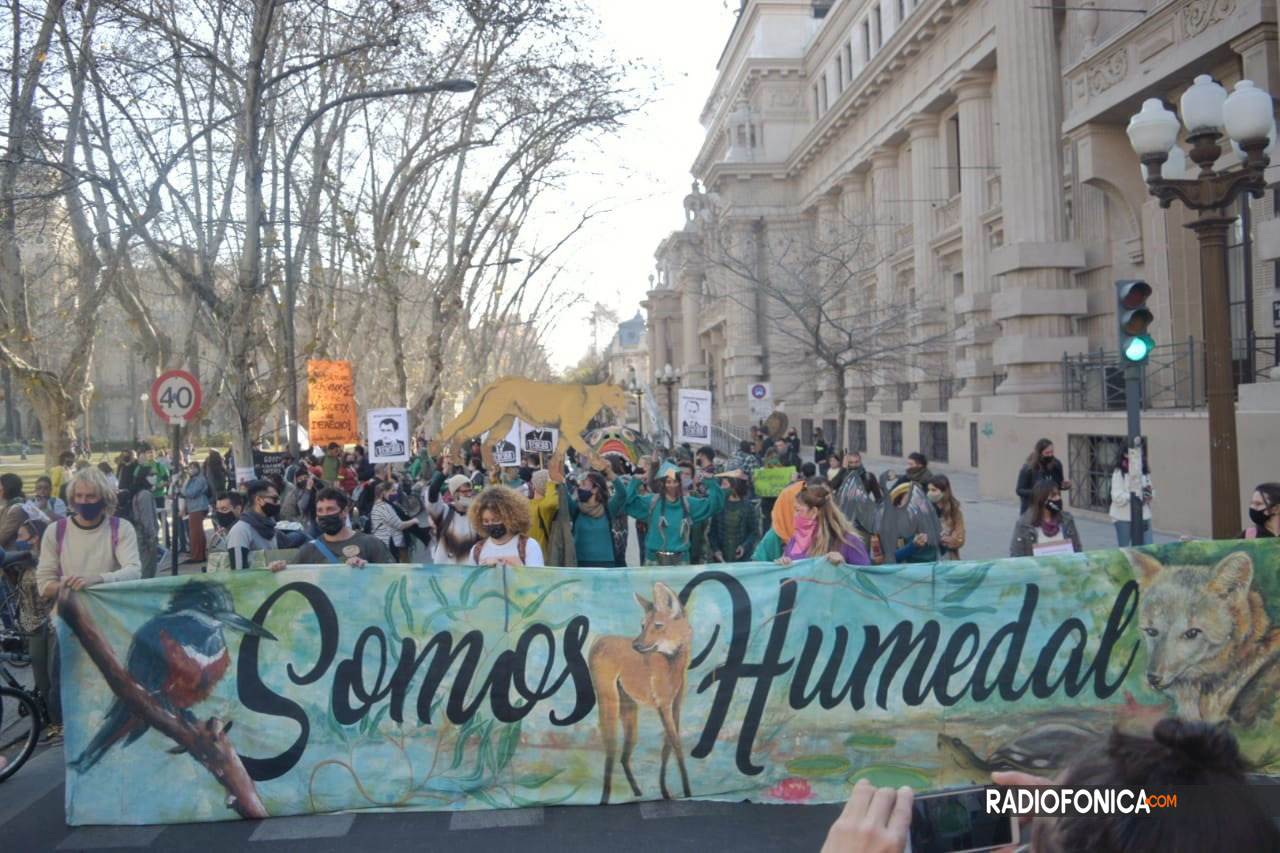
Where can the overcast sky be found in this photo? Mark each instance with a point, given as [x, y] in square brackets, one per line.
[644, 173]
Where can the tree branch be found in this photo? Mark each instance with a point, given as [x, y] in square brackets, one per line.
[207, 743]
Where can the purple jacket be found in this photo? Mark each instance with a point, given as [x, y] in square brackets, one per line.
[852, 549]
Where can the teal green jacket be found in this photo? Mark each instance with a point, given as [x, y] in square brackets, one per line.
[674, 535]
[769, 549]
[593, 537]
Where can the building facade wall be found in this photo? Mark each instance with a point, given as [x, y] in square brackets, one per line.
[974, 151]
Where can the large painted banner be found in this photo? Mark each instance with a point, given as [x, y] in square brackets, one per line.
[401, 687]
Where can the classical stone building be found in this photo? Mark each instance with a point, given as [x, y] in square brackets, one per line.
[962, 166]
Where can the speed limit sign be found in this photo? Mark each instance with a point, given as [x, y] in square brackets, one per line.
[175, 396]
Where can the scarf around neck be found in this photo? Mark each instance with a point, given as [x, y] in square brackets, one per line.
[595, 509]
[263, 526]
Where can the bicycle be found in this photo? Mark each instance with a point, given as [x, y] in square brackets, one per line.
[22, 713]
[20, 723]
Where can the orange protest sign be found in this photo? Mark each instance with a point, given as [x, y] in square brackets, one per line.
[331, 395]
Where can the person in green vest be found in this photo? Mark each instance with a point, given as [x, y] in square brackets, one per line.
[671, 514]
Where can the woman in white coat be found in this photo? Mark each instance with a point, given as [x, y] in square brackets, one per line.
[1120, 498]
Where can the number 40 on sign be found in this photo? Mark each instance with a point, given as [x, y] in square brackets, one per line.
[176, 396]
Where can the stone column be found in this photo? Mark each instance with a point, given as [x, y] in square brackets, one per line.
[744, 350]
[977, 150]
[886, 210]
[1034, 301]
[695, 371]
[928, 323]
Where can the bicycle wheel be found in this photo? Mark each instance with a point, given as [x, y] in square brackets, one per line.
[19, 730]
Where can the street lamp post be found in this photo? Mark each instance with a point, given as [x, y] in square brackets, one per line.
[291, 274]
[1247, 116]
[670, 378]
[633, 387]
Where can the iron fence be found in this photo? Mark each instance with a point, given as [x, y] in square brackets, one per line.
[1173, 376]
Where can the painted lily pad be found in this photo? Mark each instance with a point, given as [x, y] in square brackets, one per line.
[891, 776]
[818, 765]
[867, 740]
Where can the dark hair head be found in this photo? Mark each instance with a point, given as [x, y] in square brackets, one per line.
[871, 483]
[276, 480]
[143, 447]
[333, 445]
[66, 457]
[1270, 493]
[256, 489]
[597, 479]
[360, 451]
[1039, 494]
[336, 495]
[44, 478]
[232, 497]
[741, 486]
[744, 447]
[919, 458]
[392, 421]
[1178, 753]
[384, 486]
[105, 467]
[808, 470]
[11, 485]
[1034, 458]
[707, 453]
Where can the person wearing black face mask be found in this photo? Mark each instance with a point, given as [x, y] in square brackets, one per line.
[93, 546]
[337, 542]
[1264, 512]
[1046, 528]
[256, 528]
[226, 512]
[592, 511]
[503, 519]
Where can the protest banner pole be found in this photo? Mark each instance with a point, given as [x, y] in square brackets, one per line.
[177, 516]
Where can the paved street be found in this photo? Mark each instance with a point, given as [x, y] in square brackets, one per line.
[31, 816]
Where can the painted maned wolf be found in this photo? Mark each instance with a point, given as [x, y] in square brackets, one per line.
[649, 670]
[1210, 644]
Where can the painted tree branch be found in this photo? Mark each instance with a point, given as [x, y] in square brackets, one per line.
[207, 743]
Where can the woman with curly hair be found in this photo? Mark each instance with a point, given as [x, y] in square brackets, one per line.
[502, 518]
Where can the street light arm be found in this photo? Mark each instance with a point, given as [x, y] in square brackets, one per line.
[1212, 191]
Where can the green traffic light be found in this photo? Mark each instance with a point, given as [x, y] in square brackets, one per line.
[1138, 348]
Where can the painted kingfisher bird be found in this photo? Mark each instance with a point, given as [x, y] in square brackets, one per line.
[178, 657]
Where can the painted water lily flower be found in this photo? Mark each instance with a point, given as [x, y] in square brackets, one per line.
[793, 789]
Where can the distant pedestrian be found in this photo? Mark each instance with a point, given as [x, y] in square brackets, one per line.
[1046, 528]
[1264, 512]
[1040, 466]
[949, 515]
[1120, 498]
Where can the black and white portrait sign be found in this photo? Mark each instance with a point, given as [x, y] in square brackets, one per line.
[388, 435]
[694, 415]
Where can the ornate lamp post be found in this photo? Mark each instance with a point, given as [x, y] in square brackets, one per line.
[669, 378]
[1248, 117]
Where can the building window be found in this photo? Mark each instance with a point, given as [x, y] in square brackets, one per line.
[866, 40]
[822, 88]
[902, 10]
[891, 439]
[831, 432]
[877, 27]
[840, 73]
[973, 444]
[806, 430]
[933, 440]
[957, 284]
[954, 179]
[848, 58]
[817, 102]
[1240, 294]
[1091, 459]
[857, 436]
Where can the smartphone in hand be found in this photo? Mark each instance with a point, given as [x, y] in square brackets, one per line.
[956, 821]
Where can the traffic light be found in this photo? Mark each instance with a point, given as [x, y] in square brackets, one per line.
[1133, 318]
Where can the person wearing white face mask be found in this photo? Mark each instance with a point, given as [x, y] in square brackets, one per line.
[448, 512]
